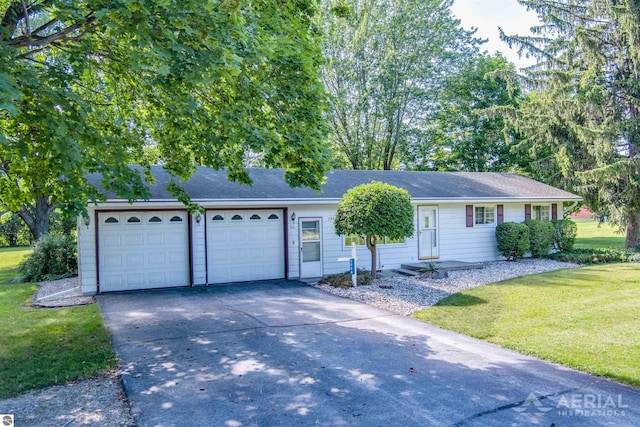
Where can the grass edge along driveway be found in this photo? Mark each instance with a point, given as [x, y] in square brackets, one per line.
[585, 318]
[42, 347]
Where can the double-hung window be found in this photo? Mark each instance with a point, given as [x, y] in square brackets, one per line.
[541, 212]
[484, 215]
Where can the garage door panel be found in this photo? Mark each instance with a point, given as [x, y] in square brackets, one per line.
[238, 254]
[133, 239]
[112, 261]
[158, 277]
[219, 236]
[218, 256]
[113, 280]
[247, 249]
[157, 259]
[150, 253]
[135, 280]
[155, 239]
[256, 254]
[134, 260]
[177, 238]
[237, 236]
[111, 240]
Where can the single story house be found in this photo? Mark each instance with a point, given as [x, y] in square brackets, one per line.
[272, 231]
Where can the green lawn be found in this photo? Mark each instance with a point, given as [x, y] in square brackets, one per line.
[593, 235]
[585, 318]
[41, 347]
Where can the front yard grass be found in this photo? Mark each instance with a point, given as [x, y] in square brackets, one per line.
[42, 347]
[593, 235]
[584, 318]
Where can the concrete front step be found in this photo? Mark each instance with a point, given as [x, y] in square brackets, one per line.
[444, 265]
[405, 272]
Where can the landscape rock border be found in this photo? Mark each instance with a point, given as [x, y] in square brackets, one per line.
[60, 293]
[405, 295]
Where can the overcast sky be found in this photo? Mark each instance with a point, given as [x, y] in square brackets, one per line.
[488, 15]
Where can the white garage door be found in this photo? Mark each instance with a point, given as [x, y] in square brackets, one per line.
[245, 245]
[143, 250]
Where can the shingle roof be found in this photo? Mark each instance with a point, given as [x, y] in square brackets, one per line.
[269, 184]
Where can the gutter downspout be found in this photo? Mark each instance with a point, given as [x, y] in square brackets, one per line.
[570, 208]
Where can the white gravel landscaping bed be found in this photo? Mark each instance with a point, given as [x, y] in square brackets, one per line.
[404, 295]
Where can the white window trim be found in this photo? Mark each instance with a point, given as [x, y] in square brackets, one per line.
[345, 246]
[547, 205]
[495, 215]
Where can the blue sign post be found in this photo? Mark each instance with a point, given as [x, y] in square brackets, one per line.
[353, 269]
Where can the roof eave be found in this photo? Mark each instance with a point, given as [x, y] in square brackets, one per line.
[332, 201]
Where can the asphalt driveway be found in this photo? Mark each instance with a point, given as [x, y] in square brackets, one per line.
[286, 354]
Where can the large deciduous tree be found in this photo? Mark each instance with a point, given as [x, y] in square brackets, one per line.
[466, 133]
[375, 210]
[86, 86]
[582, 123]
[385, 62]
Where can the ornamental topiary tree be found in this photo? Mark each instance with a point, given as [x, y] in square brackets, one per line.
[375, 210]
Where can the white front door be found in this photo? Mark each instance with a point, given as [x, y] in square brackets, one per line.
[310, 247]
[428, 232]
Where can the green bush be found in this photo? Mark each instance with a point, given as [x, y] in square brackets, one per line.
[13, 231]
[564, 234]
[53, 257]
[513, 240]
[596, 256]
[343, 280]
[540, 237]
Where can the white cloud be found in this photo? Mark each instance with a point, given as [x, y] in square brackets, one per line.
[488, 15]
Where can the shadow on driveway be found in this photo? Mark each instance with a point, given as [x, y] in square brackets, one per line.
[281, 353]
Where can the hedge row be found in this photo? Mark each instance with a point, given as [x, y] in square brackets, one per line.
[595, 256]
[535, 236]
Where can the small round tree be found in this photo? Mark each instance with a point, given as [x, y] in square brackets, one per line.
[375, 211]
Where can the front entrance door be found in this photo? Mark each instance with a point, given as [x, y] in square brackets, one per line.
[310, 247]
[428, 232]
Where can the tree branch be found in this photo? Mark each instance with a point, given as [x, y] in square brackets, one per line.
[61, 35]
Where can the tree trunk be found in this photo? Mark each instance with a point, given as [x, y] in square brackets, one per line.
[37, 216]
[632, 240]
[371, 244]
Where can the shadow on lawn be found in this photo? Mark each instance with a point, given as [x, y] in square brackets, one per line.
[461, 300]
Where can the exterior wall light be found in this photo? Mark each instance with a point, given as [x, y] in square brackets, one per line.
[198, 217]
[293, 217]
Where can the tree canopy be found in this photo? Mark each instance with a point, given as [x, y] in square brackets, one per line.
[581, 124]
[385, 62]
[375, 210]
[87, 86]
[466, 133]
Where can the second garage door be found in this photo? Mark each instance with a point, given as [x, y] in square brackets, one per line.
[245, 245]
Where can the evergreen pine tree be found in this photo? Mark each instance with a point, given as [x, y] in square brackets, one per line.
[582, 123]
